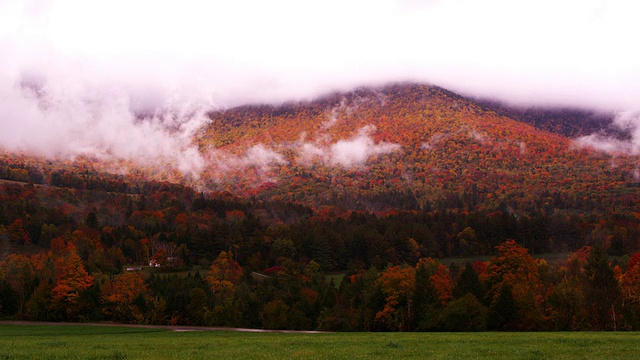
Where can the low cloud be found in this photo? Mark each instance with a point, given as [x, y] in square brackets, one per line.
[354, 151]
[309, 152]
[64, 123]
[436, 139]
[257, 157]
[479, 137]
[604, 144]
[627, 121]
[348, 106]
[357, 150]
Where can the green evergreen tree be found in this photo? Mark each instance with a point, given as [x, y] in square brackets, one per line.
[602, 291]
[468, 282]
[503, 312]
[464, 314]
[425, 300]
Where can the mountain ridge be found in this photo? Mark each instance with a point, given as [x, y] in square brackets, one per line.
[423, 130]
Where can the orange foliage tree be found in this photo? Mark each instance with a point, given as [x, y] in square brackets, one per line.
[71, 278]
[398, 284]
[119, 294]
[224, 273]
[513, 268]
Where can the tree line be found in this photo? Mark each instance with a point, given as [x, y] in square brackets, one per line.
[511, 291]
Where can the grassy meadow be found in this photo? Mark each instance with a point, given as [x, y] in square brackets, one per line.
[98, 342]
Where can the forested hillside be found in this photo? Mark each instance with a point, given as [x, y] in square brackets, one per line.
[333, 214]
[410, 147]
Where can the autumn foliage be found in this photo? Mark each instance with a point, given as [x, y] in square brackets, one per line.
[120, 294]
[70, 277]
[224, 272]
[285, 228]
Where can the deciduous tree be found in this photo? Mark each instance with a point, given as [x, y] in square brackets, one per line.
[70, 278]
[118, 295]
[20, 275]
[398, 284]
[513, 270]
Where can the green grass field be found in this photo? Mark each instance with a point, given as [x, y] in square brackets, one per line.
[96, 342]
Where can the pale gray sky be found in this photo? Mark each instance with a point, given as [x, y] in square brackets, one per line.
[582, 52]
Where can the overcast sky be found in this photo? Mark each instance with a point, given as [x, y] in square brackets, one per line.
[59, 58]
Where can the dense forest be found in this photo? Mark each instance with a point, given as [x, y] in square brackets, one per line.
[164, 254]
[453, 217]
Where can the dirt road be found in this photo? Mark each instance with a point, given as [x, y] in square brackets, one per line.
[165, 327]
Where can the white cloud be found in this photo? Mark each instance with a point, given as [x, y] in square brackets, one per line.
[354, 151]
[58, 122]
[257, 156]
[629, 121]
[309, 152]
[357, 150]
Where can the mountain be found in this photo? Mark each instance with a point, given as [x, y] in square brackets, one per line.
[348, 177]
[412, 147]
